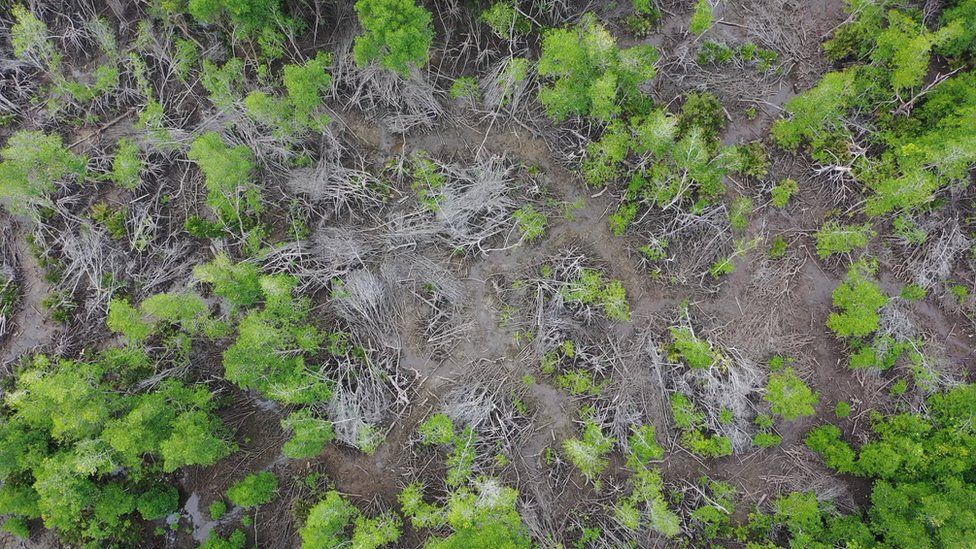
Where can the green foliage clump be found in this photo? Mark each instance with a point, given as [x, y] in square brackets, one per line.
[714, 517]
[438, 429]
[269, 354]
[784, 191]
[76, 447]
[702, 19]
[591, 289]
[531, 223]
[789, 396]
[695, 352]
[326, 522]
[223, 83]
[252, 16]
[816, 115]
[217, 509]
[126, 166]
[465, 87]
[589, 453]
[29, 37]
[676, 161]
[231, 192]
[826, 441]
[484, 515]
[859, 300]
[740, 211]
[766, 439]
[646, 502]
[694, 435]
[922, 469]
[920, 140]
[111, 218]
[588, 74]
[703, 111]
[506, 20]
[834, 238]
[645, 17]
[309, 434]
[750, 160]
[295, 111]
[329, 521]
[185, 310]
[253, 490]
[398, 34]
[33, 163]
[642, 447]
[236, 540]
[238, 283]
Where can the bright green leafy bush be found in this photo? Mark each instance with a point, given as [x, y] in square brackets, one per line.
[485, 516]
[834, 238]
[126, 166]
[309, 434]
[398, 34]
[230, 190]
[295, 111]
[253, 490]
[701, 19]
[588, 74]
[589, 453]
[83, 455]
[859, 299]
[33, 163]
[789, 396]
[269, 354]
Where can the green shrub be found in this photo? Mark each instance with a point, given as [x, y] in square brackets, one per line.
[750, 160]
[230, 190]
[816, 115]
[223, 83]
[589, 453]
[696, 353]
[397, 34]
[587, 74]
[842, 410]
[701, 19]
[272, 345]
[74, 449]
[826, 441]
[438, 429]
[239, 283]
[253, 490]
[465, 87]
[125, 319]
[126, 166]
[739, 212]
[834, 238]
[642, 447]
[703, 111]
[485, 516]
[859, 300]
[295, 111]
[309, 434]
[784, 191]
[217, 509]
[647, 499]
[506, 20]
[327, 520]
[33, 163]
[789, 396]
[591, 289]
[531, 223]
